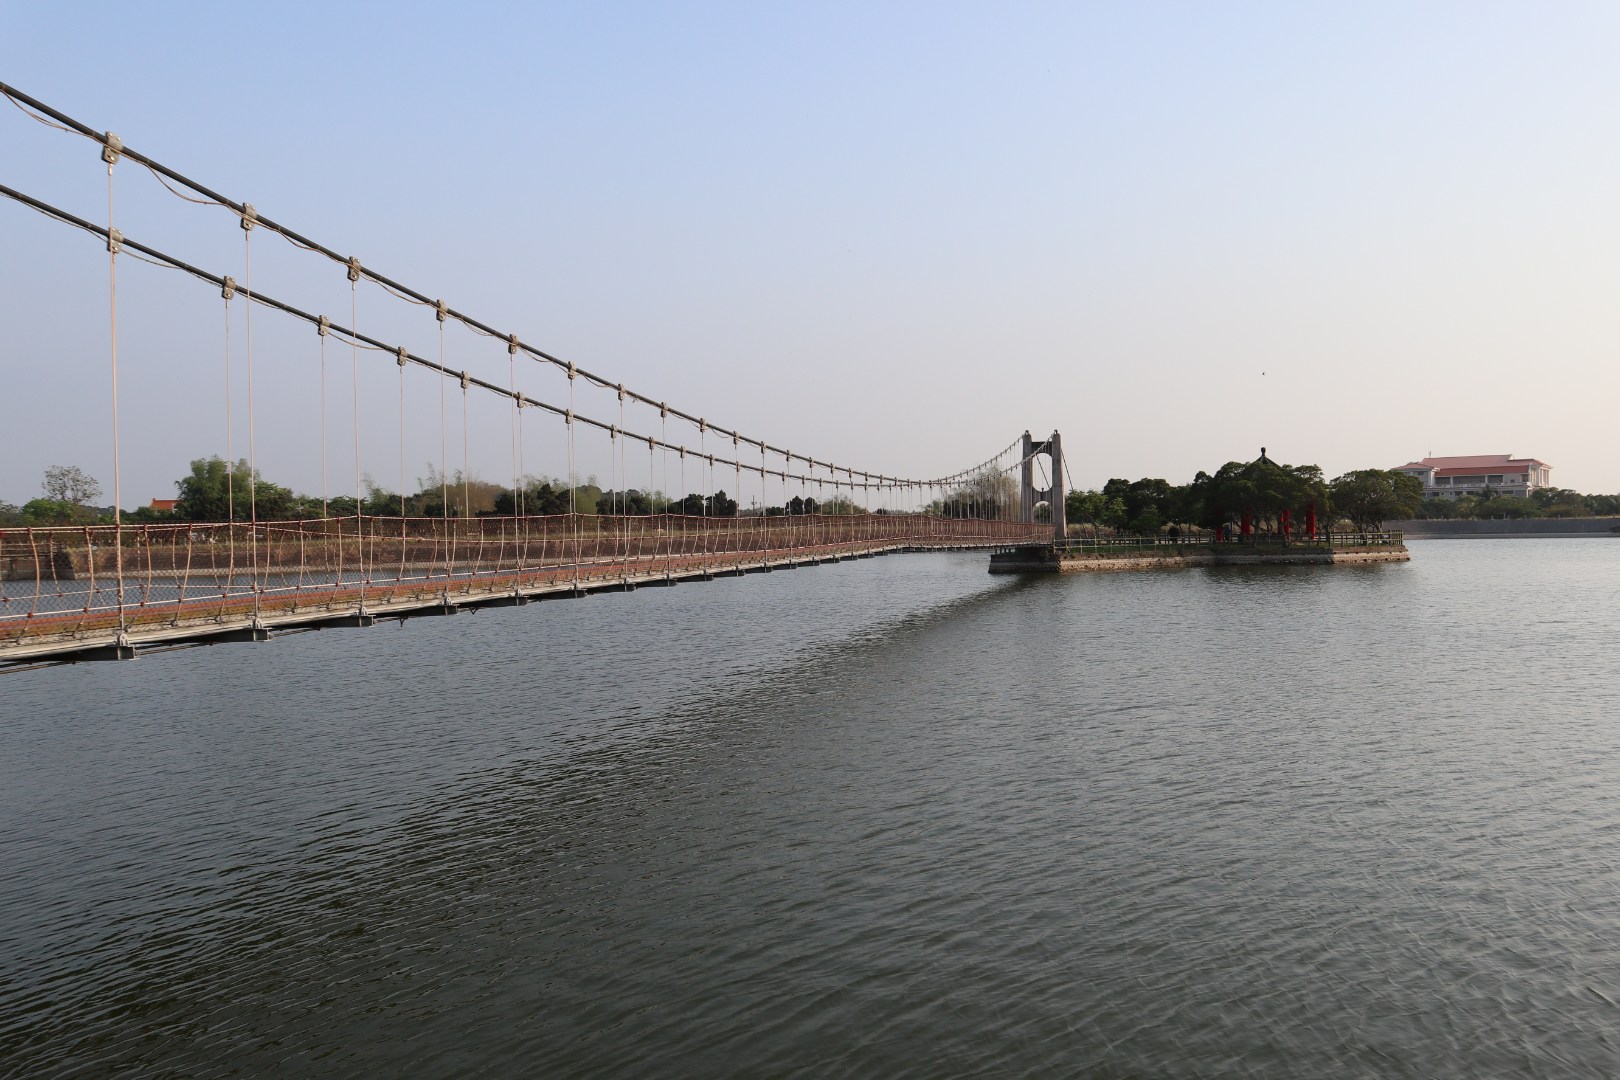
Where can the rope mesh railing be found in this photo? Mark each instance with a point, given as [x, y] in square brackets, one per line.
[58, 586]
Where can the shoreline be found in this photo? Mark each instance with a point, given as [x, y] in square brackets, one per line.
[1052, 561]
[1507, 529]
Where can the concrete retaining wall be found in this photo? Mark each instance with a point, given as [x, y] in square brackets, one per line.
[1303, 558]
[1522, 527]
[1037, 560]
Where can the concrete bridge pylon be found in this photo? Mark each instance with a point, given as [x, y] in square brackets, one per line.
[1030, 496]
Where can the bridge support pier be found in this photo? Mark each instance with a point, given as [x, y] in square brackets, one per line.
[343, 621]
[247, 633]
[507, 600]
[444, 607]
[1026, 560]
[106, 652]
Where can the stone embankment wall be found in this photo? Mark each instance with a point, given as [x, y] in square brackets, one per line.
[1039, 560]
[1133, 562]
[1521, 527]
[1223, 558]
[55, 564]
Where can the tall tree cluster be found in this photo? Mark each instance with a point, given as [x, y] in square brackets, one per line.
[1263, 491]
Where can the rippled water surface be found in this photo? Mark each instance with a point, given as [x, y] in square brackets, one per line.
[888, 818]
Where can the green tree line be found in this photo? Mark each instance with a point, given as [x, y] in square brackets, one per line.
[1365, 498]
[216, 490]
[1266, 493]
[1548, 502]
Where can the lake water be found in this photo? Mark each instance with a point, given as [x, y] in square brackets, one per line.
[892, 817]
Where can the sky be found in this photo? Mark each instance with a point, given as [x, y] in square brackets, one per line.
[894, 235]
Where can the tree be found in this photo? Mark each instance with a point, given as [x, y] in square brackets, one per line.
[1187, 502]
[838, 504]
[48, 512]
[1561, 502]
[987, 494]
[1508, 506]
[1083, 507]
[695, 505]
[1262, 489]
[147, 515]
[1369, 497]
[720, 505]
[1148, 499]
[1604, 505]
[631, 501]
[218, 490]
[379, 501]
[588, 498]
[71, 485]
[1147, 522]
[209, 492]
[1142, 506]
[691, 506]
[540, 498]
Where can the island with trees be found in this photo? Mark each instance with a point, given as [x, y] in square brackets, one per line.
[1259, 511]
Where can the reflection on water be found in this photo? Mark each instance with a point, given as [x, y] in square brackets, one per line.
[886, 818]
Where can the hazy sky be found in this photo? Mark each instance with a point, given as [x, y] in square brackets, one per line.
[894, 234]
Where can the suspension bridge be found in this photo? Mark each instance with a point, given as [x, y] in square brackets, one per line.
[80, 592]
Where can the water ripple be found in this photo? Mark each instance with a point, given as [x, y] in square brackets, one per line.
[890, 818]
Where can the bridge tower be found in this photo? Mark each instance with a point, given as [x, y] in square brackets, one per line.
[1030, 495]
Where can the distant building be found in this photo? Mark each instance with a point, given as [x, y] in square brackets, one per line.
[1504, 474]
[165, 504]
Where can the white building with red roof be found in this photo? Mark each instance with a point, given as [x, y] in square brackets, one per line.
[1504, 474]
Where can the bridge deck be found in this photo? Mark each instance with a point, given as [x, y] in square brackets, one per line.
[181, 587]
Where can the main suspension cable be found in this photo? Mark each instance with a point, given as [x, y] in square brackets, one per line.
[358, 341]
[67, 123]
